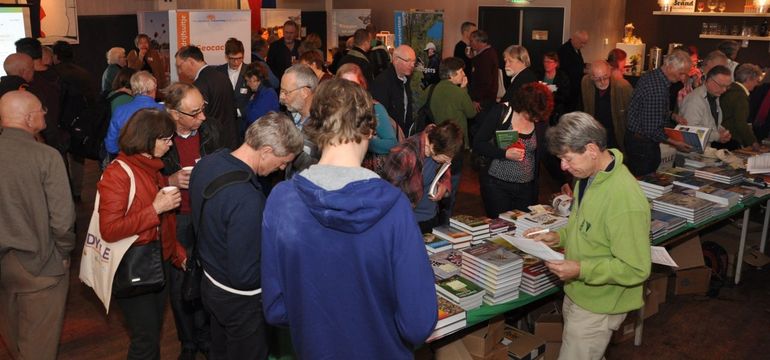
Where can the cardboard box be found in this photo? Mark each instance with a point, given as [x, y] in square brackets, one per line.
[651, 304]
[483, 342]
[658, 284]
[549, 327]
[522, 345]
[500, 352]
[552, 350]
[626, 331]
[692, 281]
[688, 254]
[453, 351]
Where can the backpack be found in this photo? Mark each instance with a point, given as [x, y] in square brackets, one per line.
[424, 115]
[88, 129]
[715, 257]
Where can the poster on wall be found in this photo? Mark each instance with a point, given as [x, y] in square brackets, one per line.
[423, 30]
[683, 6]
[209, 30]
[634, 58]
[346, 21]
[14, 25]
[58, 21]
[273, 19]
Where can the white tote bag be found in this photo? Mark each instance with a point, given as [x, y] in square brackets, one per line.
[101, 259]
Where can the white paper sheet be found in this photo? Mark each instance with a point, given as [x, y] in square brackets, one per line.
[659, 255]
[534, 248]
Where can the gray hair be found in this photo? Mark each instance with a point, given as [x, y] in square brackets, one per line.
[143, 83]
[729, 48]
[715, 55]
[303, 75]
[747, 72]
[518, 52]
[678, 60]
[114, 54]
[277, 131]
[574, 131]
[718, 70]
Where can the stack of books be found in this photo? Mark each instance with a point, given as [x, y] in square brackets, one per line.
[744, 192]
[451, 318]
[499, 226]
[691, 182]
[542, 220]
[435, 244]
[723, 174]
[692, 209]
[477, 226]
[758, 164]
[459, 238]
[657, 229]
[656, 184]
[671, 222]
[461, 291]
[512, 215]
[537, 279]
[720, 196]
[496, 269]
[697, 161]
[446, 264]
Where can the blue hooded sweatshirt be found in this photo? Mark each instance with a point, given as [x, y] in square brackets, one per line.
[344, 266]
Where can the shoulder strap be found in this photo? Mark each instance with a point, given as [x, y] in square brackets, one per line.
[506, 112]
[430, 94]
[219, 183]
[132, 187]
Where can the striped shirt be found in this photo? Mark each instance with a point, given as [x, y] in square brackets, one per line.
[648, 112]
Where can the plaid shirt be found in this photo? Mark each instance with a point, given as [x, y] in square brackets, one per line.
[648, 112]
[403, 167]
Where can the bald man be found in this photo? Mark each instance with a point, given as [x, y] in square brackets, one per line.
[37, 235]
[607, 98]
[571, 62]
[391, 88]
[19, 69]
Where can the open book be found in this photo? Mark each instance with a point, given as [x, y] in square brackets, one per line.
[695, 136]
[434, 185]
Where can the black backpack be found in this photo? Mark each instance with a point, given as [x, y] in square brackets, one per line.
[88, 129]
[715, 257]
[424, 115]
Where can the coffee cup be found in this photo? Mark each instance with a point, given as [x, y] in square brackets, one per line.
[188, 168]
[169, 189]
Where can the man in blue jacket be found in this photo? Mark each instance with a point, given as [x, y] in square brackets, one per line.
[144, 86]
[344, 265]
[229, 240]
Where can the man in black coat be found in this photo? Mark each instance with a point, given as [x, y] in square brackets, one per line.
[285, 50]
[571, 62]
[759, 111]
[234, 70]
[357, 55]
[517, 67]
[20, 70]
[462, 48]
[216, 89]
[392, 90]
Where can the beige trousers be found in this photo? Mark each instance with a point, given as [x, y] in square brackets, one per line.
[586, 334]
[31, 310]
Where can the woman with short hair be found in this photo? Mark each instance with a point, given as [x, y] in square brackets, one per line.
[263, 100]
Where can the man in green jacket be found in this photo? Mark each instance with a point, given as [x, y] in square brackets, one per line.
[606, 239]
[735, 106]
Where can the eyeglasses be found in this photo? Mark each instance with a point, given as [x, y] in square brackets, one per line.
[723, 86]
[285, 92]
[234, 58]
[194, 113]
[410, 62]
[167, 140]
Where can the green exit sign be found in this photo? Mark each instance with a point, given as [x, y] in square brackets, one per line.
[520, 1]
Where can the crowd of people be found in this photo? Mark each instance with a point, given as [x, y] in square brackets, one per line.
[322, 226]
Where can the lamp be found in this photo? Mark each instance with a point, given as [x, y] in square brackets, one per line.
[665, 5]
[760, 5]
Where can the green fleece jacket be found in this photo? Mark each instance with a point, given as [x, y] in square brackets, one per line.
[608, 234]
[451, 102]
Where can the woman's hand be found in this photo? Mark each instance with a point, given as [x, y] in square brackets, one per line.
[166, 200]
[514, 154]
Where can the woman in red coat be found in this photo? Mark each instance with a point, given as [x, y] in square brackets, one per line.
[143, 140]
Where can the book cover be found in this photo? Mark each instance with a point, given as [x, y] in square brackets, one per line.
[473, 223]
[506, 138]
[448, 312]
[452, 234]
[459, 287]
[446, 264]
[434, 242]
[658, 180]
[494, 256]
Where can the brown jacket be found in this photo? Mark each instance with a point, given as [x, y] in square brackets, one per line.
[158, 63]
[620, 97]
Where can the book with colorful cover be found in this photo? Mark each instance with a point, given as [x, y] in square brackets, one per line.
[452, 234]
[435, 244]
[506, 138]
[457, 288]
[471, 223]
[657, 181]
[448, 312]
[512, 215]
[493, 256]
[690, 138]
[446, 264]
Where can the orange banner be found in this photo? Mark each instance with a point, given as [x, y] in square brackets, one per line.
[182, 29]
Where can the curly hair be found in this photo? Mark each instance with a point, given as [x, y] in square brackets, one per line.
[257, 69]
[533, 99]
[341, 112]
[446, 138]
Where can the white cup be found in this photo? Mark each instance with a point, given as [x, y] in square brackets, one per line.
[169, 189]
[188, 168]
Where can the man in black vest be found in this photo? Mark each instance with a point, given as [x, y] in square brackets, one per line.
[234, 70]
[571, 61]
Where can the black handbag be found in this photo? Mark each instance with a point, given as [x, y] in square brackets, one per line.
[140, 271]
[193, 274]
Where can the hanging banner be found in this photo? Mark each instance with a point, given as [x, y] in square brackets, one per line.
[346, 21]
[208, 30]
[58, 21]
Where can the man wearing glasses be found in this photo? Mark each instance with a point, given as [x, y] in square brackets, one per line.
[145, 87]
[391, 88]
[235, 71]
[606, 99]
[701, 106]
[298, 85]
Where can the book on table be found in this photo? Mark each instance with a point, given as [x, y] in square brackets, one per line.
[446, 263]
[459, 289]
[695, 136]
[448, 312]
[433, 189]
[452, 234]
[717, 195]
[493, 256]
[471, 224]
[506, 138]
[435, 244]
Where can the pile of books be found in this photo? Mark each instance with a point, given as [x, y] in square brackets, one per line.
[458, 238]
[697, 161]
[446, 264]
[451, 318]
[692, 209]
[496, 269]
[691, 182]
[499, 226]
[723, 174]
[461, 291]
[536, 278]
[744, 192]
[669, 222]
[717, 195]
[656, 184]
[435, 244]
[477, 226]
[544, 220]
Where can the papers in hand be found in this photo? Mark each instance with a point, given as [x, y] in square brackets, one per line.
[659, 255]
[534, 248]
[434, 185]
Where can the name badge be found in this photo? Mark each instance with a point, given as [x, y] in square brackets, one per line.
[244, 91]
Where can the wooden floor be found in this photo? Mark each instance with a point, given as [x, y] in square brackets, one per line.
[735, 325]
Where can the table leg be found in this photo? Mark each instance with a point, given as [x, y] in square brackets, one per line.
[763, 239]
[742, 246]
[639, 328]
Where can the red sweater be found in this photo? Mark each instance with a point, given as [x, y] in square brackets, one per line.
[116, 224]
